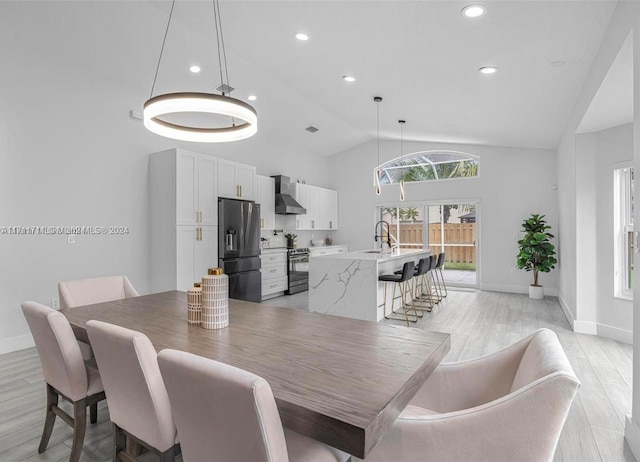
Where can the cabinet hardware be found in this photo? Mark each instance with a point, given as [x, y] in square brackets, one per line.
[331, 225]
[273, 270]
[262, 222]
[273, 285]
[240, 190]
[313, 224]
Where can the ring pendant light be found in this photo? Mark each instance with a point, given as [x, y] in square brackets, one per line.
[243, 117]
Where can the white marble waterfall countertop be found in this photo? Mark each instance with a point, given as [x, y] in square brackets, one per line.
[347, 284]
[376, 255]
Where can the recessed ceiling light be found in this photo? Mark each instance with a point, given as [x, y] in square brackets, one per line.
[252, 97]
[473, 11]
[349, 78]
[488, 70]
[195, 69]
[302, 36]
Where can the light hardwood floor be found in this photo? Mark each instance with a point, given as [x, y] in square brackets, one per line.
[480, 323]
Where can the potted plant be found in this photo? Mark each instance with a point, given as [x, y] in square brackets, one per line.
[536, 252]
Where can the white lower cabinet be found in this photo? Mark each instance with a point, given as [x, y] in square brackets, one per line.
[274, 274]
[196, 252]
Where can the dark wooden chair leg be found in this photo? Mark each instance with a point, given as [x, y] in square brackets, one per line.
[134, 448]
[79, 427]
[50, 418]
[119, 442]
[93, 413]
[169, 455]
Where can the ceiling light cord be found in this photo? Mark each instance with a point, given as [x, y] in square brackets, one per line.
[153, 86]
[401, 122]
[377, 100]
[218, 32]
[222, 57]
[224, 49]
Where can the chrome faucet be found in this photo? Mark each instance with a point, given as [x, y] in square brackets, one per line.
[381, 235]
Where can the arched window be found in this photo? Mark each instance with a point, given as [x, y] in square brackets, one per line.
[429, 165]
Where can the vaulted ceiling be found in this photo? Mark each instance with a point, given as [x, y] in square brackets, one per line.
[422, 57]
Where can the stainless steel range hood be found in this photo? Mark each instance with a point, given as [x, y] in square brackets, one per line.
[285, 204]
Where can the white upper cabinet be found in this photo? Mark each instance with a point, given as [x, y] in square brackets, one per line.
[194, 178]
[302, 194]
[265, 196]
[321, 205]
[329, 208]
[207, 191]
[236, 181]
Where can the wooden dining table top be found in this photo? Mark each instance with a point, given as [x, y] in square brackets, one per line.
[338, 380]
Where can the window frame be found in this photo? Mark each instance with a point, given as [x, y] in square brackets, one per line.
[624, 235]
[390, 165]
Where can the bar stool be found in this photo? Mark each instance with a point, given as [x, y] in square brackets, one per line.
[438, 269]
[419, 297]
[425, 299]
[429, 283]
[403, 281]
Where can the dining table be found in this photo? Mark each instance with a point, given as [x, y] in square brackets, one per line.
[340, 381]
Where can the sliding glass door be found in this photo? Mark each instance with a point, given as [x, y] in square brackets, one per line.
[452, 230]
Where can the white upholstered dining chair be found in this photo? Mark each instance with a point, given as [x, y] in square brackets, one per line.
[507, 406]
[66, 374]
[227, 414]
[96, 290]
[136, 395]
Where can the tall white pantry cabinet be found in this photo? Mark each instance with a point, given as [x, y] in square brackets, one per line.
[184, 218]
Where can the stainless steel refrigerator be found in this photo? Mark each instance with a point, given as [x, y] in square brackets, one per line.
[239, 247]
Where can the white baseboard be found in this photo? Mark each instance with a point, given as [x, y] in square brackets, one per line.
[615, 333]
[565, 309]
[7, 345]
[632, 435]
[585, 327]
[593, 328]
[512, 289]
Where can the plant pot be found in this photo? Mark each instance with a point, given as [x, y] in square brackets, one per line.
[536, 292]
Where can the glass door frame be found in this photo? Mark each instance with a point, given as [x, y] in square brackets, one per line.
[443, 245]
[379, 210]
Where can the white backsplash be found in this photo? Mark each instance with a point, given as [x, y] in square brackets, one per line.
[304, 237]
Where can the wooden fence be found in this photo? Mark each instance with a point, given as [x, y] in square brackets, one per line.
[463, 234]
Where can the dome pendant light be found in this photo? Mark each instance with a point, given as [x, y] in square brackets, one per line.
[378, 100]
[401, 122]
[243, 117]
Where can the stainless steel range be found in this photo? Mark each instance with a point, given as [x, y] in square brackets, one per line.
[297, 270]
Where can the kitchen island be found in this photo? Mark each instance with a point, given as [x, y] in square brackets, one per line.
[347, 284]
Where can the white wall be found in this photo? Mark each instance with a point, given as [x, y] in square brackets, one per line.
[613, 146]
[70, 155]
[513, 183]
[585, 239]
[576, 198]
